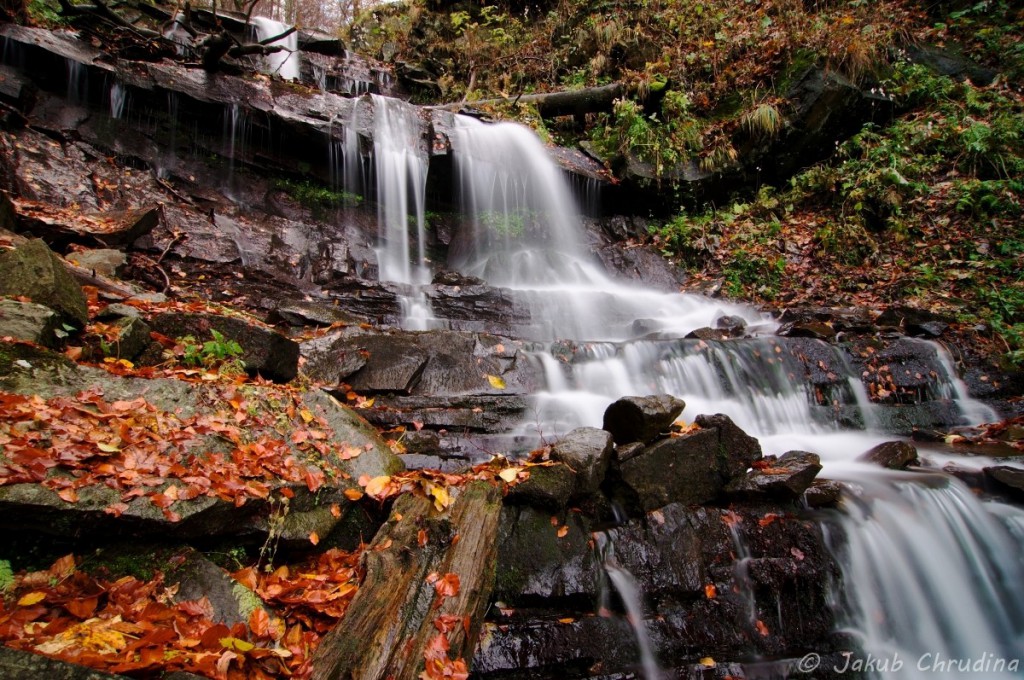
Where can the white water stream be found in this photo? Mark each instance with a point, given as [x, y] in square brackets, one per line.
[931, 575]
[285, 63]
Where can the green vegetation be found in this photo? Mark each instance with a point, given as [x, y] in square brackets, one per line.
[924, 210]
[220, 353]
[6, 576]
[317, 196]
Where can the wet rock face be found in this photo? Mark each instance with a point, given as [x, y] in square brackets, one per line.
[587, 451]
[731, 584]
[784, 478]
[690, 469]
[28, 321]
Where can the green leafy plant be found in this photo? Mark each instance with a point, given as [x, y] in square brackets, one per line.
[218, 353]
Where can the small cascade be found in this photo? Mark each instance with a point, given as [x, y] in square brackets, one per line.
[344, 157]
[78, 82]
[632, 599]
[400, 165]
[236, 138]
[118, 100]
[175, 31]
[526, 235]
[934, 580]
[285, 63]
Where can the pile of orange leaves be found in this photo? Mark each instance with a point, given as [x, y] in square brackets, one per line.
[137, 628]
[67, 443]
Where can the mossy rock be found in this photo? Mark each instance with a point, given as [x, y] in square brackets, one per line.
[35, 272]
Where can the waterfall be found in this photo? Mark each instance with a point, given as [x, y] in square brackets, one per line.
[934, 580]
[118, 100]
[930, 575]
[285, 63]
[525, 235]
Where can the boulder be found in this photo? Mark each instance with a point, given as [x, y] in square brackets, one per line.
[733, 326]
[895, 455]
[784, 478]
[102, 261]
[547, 487]
[819, 330]
[587, 451]
[132, 338]
[265, 351]
[28, 321]
[35, 272]
[694, 468]
[1007, 476]
[914, 321]
[823, 493]
[641, 419]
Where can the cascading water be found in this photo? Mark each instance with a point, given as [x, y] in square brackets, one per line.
[286, 62]
[400, 164]
[118, 100]
[934, 580]
[525, 236]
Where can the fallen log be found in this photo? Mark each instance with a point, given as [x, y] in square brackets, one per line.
[567, 103]
[428, 574]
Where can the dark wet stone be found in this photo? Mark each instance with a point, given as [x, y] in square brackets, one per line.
[642, 264]
[587, 451]
[895, 455]
[451, 278]
[534, 561]
[33, 271]
[851, 319]
[133, 336]
[733, 326]
[693, 468]
[441, 363]
[706, 333]
[806, 329]
[641, 419]
[784, 478]
[547, 487]
[624, 452]
[264, 351]
[911, 319]
[422, 441]
[1007, 476]
[823, 493]
[197, 577]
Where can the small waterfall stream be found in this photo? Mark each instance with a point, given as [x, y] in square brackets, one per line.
[525, 236]
[285, 63]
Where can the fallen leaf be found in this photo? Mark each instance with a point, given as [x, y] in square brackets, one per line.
[496, 381]
[32, 598]
[563, 531]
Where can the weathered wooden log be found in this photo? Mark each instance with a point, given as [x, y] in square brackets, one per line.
[567, 103]
[407, 599]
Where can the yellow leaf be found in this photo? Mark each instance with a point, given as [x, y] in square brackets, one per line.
[707, 661]
[496, 381]
[566, 620]
[236, 643]
[509, 474]
[377, 485]
[562, 531]
[32, 598]
[440, 495]
[314, 538]
[307, 417]
[353, 494]
[108, 448]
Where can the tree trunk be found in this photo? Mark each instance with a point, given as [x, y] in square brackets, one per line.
[569, 103]
[391, 621]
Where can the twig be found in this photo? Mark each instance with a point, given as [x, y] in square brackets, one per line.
[167, 279]
[178, 236]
